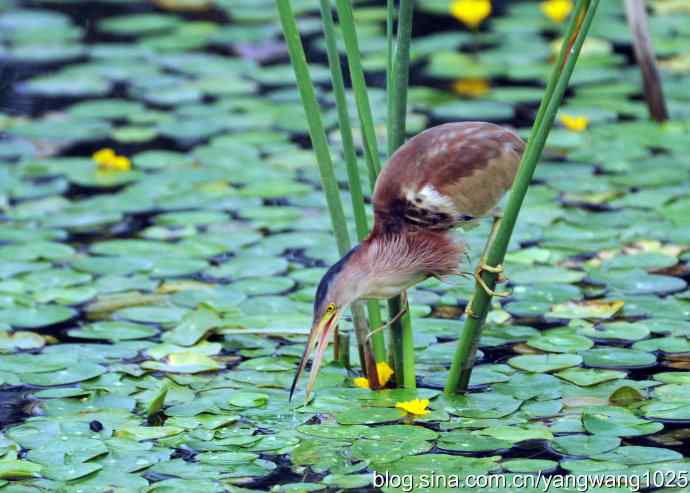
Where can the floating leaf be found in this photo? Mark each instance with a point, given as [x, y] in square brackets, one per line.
[185, 362]
[593, 309]
[542, 363]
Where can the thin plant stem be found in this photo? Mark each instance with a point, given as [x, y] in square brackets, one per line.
[319, 142]
[359, 88]
[636, 13]
[578, 27]
[390, 15]
[401, 329]
[401, 75]
[350, 154]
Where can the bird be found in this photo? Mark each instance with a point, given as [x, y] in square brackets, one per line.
[446, 176]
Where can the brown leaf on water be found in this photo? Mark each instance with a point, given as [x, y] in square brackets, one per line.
[184, 5]
[448, 311]
[596, 309]
[582, 401]
[111, 302]
[523, 348]
[679, 361]
[182, 285]
[673, 438]
[625, 396]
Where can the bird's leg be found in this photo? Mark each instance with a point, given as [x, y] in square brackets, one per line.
[498, 269]
[402, 312]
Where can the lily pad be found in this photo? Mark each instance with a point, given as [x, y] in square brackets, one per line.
[544, 363]
[617, 358]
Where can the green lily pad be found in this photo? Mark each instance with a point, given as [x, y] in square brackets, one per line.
[113, 331]
[37, 316]
[617, 421]
[667, 411]
[634, 455]
[585, 445]
[75, 373]
[544, 363]
[560, 343]
[193, 326]
[514, 434]
[586, 377]
[484, 405]
[463, 441]
[617, 358]
[368, 415]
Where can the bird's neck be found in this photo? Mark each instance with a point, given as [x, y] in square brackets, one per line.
[385, 265]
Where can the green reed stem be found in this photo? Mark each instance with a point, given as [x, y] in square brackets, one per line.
[390, 17]
[350, 153]
[319, 142]
[359, 87]
[401, 329]
[578, 27]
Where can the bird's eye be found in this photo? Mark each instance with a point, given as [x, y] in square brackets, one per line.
[330, 308]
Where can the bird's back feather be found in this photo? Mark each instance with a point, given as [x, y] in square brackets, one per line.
[445, 175]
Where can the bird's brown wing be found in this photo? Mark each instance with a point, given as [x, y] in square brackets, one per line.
[445, 175]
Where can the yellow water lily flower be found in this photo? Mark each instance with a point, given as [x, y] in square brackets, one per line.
[103, 155]
[121, 163]
[107, 160]
[471, 12]
[575, 123]
[361, 382]
[385, 372]
[557, 10]
[472, 88]
[417, 407]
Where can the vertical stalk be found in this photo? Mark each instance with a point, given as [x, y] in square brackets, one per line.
[377, 340]
[390, 15]
[359, 87]
[319, 142]
[401, 329]
[461, 369]
[636, 13]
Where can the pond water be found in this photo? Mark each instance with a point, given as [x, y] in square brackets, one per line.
[155, 297]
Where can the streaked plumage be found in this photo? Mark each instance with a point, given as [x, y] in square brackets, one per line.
[446, 173]
[442, 177]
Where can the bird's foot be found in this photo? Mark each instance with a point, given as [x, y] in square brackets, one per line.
[468, 309]
[495, 270]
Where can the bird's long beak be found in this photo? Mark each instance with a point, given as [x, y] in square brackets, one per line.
[319, 337]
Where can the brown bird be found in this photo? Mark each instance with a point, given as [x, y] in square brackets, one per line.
[443, 177]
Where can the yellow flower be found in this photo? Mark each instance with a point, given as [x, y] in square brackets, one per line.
[107, 160]
[575, 123]
[121, 163]
[417, 407]
[471, 12]
[103, 156]
[472, 88]
[557, 10]
[361, 382]
[385, 372]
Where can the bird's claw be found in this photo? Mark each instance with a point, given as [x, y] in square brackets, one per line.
[495, 270]
[468, 309]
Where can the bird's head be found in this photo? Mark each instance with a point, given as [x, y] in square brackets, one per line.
[336, 292]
